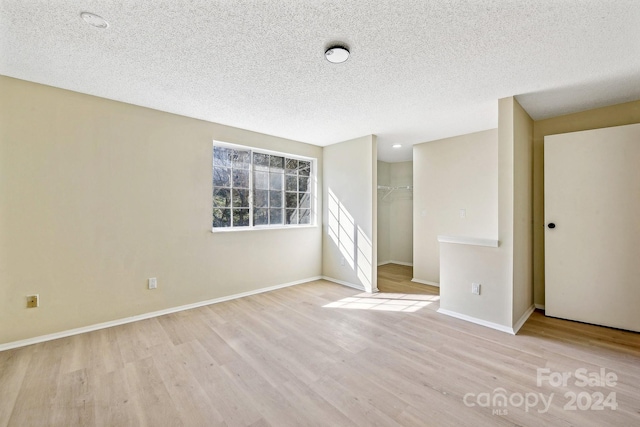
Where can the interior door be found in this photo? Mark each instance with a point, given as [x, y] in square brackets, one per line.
[592, 223]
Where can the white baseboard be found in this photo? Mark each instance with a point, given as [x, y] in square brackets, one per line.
[348, 284]
[97, 326]
[408, 264]
[539, 306]
[512, 331]
[523, 319]
[426, 282]
[477, 321]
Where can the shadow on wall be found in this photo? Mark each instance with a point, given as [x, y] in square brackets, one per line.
[350, 239]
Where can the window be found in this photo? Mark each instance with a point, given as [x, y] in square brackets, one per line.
[260, 189]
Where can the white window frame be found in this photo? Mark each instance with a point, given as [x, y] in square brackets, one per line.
[313, 185]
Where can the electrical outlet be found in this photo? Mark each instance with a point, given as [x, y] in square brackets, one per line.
[33, 301]
[342, 261]
[153, 283]
[463, 213]
[475, 288]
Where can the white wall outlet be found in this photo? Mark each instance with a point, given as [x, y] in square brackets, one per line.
[341, 260]
[463, 213]
[153, 283]
[475, 288]
[33, 301]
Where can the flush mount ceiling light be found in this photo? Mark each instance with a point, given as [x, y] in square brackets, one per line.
[94, 20]
[397, 145]
[337, 54]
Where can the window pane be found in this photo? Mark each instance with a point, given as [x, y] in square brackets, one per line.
[291, 200]
[221, 177]
[259, 189]
[276, 164]
[261, 180]
[240, 178]
[241, 217]
[291, 216]
[261, 161]
[275, 181]
[291, 182]
[261, 198]
[304, 200]
[240, 159]
[240, 198]
[221, 156]
[304, 168]
[222, 197]
[303, 183]
[275, 216]
[222, 217]
[260, 216]
[292, 166]
[275, 199]
[304, 216]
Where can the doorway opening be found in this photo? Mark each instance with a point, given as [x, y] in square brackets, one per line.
[395, 230]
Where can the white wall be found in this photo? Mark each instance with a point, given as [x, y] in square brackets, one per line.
[96, 196]
[350, 213]
[449, 175]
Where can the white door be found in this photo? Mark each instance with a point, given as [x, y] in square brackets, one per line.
[592, 226]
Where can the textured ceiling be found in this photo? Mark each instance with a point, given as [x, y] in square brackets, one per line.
[419, 70]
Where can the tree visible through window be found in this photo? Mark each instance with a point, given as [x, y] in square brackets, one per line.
[257, 189]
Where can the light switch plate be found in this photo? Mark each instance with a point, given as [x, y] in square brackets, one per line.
[475, 288]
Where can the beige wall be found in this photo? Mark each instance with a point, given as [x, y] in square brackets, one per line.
[96, 196]
[350, 214]
[522, 212]
[449, 175]
[461, 265]
[617, 115]
[384, 215]
[504, 272]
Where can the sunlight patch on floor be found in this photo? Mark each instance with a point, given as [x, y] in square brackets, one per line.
[407, 303]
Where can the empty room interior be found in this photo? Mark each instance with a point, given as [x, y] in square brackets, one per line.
[336, 213]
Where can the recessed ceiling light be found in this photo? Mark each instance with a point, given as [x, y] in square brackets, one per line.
[94, 20]
[337, 54]
[397, 145]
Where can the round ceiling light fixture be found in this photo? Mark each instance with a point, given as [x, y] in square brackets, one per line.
[337, 54]
[94, 20]
[397, 145]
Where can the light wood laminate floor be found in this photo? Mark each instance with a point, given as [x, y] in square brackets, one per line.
[396, 278]
[316, 354]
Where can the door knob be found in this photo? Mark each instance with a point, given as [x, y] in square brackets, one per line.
[551, 225]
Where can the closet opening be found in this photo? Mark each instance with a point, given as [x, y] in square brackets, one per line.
[395, 230]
